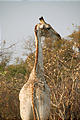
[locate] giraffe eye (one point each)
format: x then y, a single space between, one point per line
48 28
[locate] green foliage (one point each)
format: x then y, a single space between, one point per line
14 70
2 67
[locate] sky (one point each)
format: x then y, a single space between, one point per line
19 17
38 0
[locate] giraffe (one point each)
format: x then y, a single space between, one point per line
48 30
51 36
35 94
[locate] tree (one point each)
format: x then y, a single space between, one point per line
5 54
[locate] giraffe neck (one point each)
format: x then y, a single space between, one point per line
38 66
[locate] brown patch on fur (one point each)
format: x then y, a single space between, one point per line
33 102
36 56
35 30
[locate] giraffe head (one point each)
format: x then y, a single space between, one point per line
47 30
